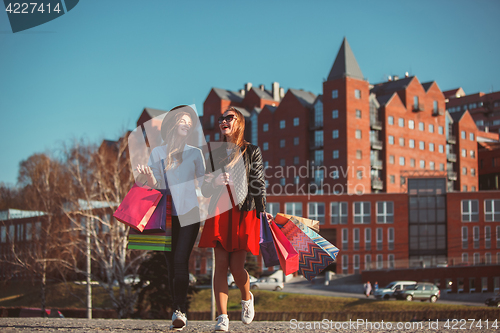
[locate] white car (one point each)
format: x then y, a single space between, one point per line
267 283
388 291
231 283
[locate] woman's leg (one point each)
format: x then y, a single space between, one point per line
220 278
237 266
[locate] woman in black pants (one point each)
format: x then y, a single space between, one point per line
184 168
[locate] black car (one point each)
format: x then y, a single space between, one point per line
423 291
493 301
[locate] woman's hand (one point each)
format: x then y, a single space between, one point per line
146 170
269 217
223 179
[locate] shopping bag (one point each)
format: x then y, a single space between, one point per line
288 256
161 220
266 243
328 247
312 258
313 224
137 207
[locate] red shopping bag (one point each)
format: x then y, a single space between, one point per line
137 207
288 256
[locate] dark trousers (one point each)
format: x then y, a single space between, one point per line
183 239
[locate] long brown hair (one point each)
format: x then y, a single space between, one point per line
239 134
175 142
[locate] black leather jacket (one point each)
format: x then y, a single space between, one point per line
255 198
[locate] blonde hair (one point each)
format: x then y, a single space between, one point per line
239 134
175 142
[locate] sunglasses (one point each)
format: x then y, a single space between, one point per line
228 118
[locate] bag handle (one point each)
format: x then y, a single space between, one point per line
224 171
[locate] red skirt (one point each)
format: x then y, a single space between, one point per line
235 230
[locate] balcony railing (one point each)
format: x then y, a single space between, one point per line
316 145
375 124
377 184
314 125
376 144
452 175
419 107
438 112
376 164
451 157
451 139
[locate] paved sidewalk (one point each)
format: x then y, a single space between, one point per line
10 325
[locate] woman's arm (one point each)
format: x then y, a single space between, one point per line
257 183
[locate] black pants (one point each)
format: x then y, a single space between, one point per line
183 239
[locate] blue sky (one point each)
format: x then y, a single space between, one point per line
89 73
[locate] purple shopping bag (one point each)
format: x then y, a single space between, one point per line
267 248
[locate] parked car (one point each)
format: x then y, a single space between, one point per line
388 291
267 283
231 283
37 312
493 301
421 291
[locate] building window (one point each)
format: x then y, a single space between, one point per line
390 238
207 138
265 127
265 146
441 149
402 142
463 134
411 124
464 171
335 114
296 160
318 138
471 136
335 174
29 232
412 162
401 160
475 236
390 261
472 154
293 208
473 189
212 121
338 211
335 93
296 121
470 210
356 263
380 261
440 130
335 134
465 238
345 239
421 145
391 139
358 114
282 181
357 93
296 141
487 237
473 172
368 239
390 120
492 210
362 214
435 106
282 143
415 102
358 134
464 189
421 126
359 154
273 208
282 123
3 234
392 179
12 233
431 128
345 264
385 212
498 240
432 165
38 230
335 154
355 239
487 260
316 211
401 122
422 164
431 146
464 153
411 143
282 162
391 159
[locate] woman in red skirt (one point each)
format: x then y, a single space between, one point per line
235 184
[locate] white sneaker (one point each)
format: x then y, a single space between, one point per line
247 311
179 320
222 323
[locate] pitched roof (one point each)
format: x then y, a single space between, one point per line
384 99
270 108
453 93
263 94
427 85
456 116
345 64
306 98
243 111
227 95
391 86
154 112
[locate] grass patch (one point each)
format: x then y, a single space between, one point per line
283 302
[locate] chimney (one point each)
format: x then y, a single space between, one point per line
262 87
248 86
242 92
486 129
406 74
282 92
276 91
396 77
389 78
